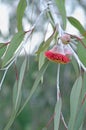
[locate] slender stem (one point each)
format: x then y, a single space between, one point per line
62 118
2 80
77 59
54 13
58 90
6 69
51 119
38 19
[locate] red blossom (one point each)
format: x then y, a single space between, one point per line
57 57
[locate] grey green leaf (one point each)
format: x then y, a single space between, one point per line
3 47
57 114
81 51
20 82
17 95
62 10
35 85
20 13
80 117
11 120
77 24
12 47
74 101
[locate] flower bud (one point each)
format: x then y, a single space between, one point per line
65 38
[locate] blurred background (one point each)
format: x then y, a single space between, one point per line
41 107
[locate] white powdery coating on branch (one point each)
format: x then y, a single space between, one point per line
51 5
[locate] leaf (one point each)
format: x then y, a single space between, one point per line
17 95
14 44
76 24
74 101
20 13
41 62
75 66
43 47
35 85
3 78
3 47
84 86
62 10
15 90
11 120
42 59
45 44
20 82
81 127
82 111
80 117
51 20
81 114
57 114
81 51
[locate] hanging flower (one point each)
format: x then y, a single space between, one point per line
56 54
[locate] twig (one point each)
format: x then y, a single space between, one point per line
83 100
62 118
51 119
58 90
16 72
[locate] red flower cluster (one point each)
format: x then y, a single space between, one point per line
57 57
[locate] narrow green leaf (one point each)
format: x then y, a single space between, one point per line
15 90
45 44
20 13
2 49
62 10
17 95
80 117
74 101
20 82
76 67
76 24
81 51
42 57
43 47
84 86
35 85
81 128
41 62
51 20
11 120
57 114
14 44
3 77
